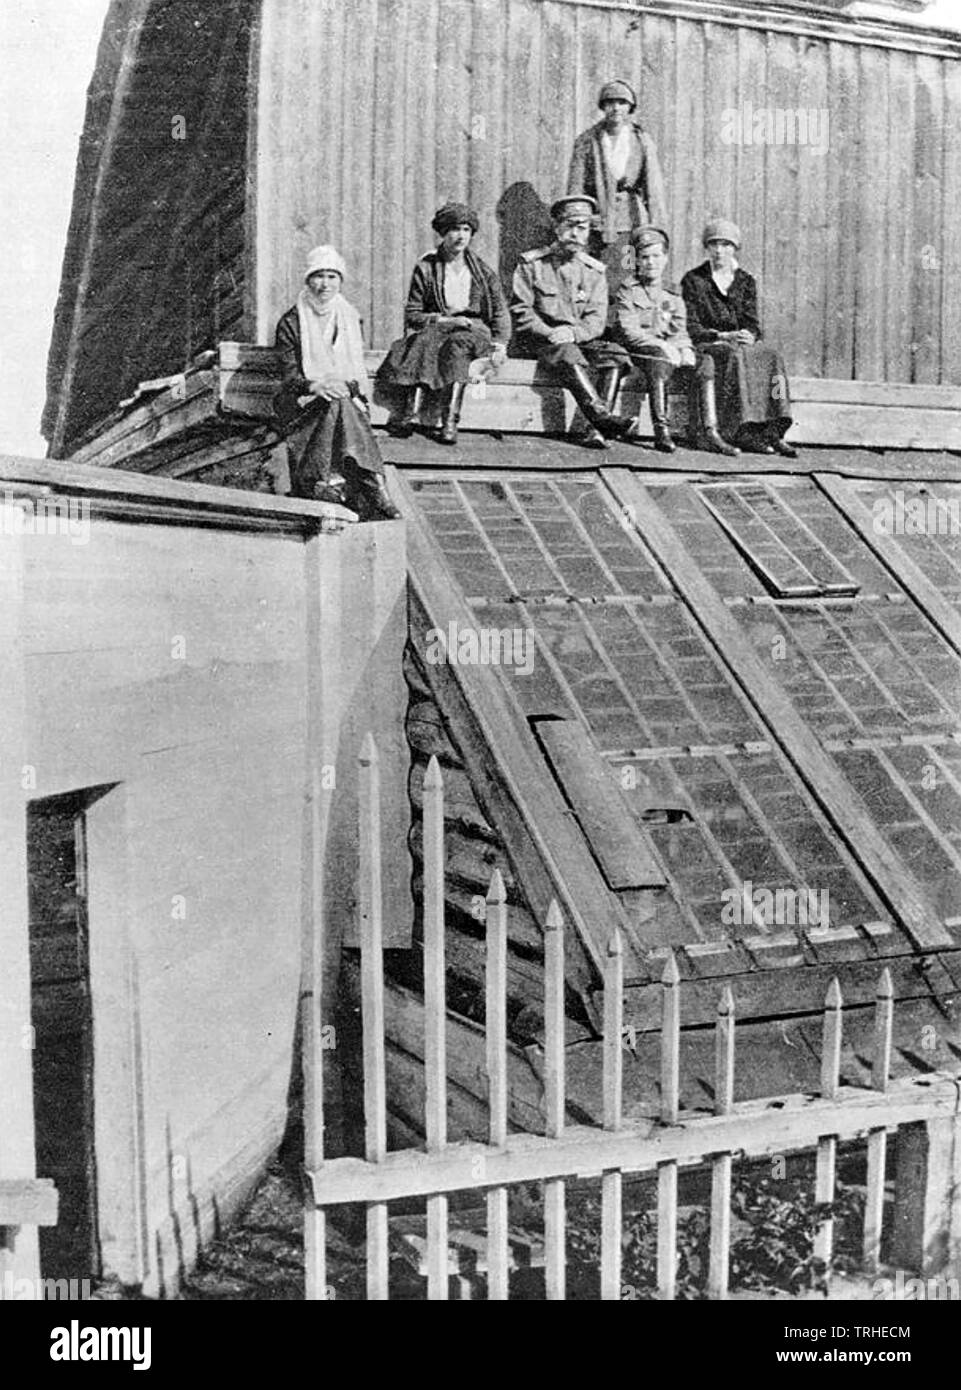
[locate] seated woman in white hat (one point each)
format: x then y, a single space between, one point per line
743 386
322 404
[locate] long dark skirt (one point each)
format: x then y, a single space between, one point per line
751 387
434 356
327 436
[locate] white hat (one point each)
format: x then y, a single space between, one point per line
325 258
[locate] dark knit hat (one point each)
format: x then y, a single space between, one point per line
454 215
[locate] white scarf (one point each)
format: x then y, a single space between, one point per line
330 340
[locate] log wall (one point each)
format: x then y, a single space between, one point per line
154 270
371 115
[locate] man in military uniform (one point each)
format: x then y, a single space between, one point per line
559 308
651 321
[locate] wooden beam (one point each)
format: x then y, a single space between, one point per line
620 846
927 1209
892 554
145 424
780 993
523 398
827 784
108 491
754 1129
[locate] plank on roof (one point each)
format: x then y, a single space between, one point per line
772 994
621 848
549 852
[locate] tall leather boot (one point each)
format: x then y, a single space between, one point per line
710 437
447 434
603 421
404 420
658 375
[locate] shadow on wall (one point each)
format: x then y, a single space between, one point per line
525 223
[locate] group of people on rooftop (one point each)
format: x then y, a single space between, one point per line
592 307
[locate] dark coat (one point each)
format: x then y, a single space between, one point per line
488 303
711 313
324 434
293 383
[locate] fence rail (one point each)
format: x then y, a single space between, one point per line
658 1144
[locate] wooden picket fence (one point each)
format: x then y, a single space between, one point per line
660 1145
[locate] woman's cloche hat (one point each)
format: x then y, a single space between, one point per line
325 258
617 91
720 229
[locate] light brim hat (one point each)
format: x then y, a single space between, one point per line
617 91
721 230
325 258
562 206
650 236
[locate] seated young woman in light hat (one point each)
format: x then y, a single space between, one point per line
322 404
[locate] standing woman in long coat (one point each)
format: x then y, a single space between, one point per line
615 163
456 311
743 387
322 407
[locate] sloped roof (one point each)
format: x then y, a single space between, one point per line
771 698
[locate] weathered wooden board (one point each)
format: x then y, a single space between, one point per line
620 846
518 794
801 990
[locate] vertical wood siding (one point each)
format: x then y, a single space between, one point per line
373 114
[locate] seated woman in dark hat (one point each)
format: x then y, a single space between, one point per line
742 383
322 404
456 311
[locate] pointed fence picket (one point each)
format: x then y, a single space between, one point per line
656 1146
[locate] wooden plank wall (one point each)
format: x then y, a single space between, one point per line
372 115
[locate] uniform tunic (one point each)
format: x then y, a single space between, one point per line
550 291
651 321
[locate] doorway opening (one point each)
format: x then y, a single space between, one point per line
63 1030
